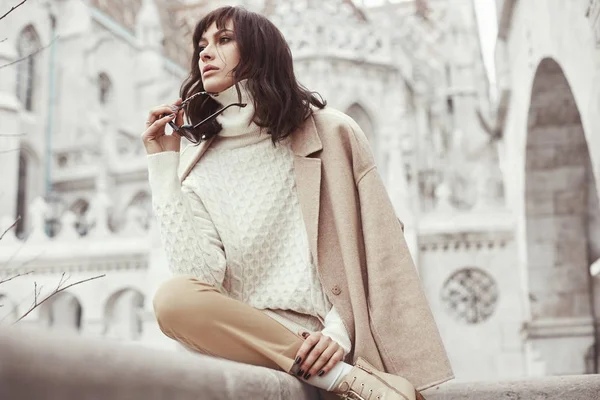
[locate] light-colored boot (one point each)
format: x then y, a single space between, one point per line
364 382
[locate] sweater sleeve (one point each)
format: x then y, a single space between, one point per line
188 235
335 329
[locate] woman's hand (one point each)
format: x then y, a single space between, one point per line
318 354
154 138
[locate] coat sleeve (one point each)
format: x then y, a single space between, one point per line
401 319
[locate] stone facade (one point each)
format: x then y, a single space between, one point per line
549 90
414 82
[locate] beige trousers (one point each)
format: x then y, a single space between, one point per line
197 315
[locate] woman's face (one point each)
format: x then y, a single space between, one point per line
219 55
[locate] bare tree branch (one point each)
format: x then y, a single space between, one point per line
10 227
11 134
13 9
9 150
3 40
16 276
55 292
29 55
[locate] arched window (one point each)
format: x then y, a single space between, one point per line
62 311
358 114
139 210
123 319
362 118
80 208
104 88
28 43
21 195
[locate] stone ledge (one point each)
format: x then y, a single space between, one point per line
51 366
575 387
41 365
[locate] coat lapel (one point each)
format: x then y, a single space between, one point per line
305 141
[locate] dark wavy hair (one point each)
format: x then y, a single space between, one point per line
281 104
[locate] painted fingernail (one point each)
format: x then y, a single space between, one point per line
304 334
298 360
300 372
307 376
321 372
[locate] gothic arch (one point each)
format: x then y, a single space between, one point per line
561 209
27 186
80 208
363 118
105 88
139 210
63 311
122 314
28 70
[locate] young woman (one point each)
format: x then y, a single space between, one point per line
283 241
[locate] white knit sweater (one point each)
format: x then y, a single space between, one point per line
236 223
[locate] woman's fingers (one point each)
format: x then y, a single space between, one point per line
159 112
320 343
323 359
156 129
337 356
304 350
154 137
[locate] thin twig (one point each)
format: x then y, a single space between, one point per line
9 150
3 40
10 227
16 276
56 291
13 9
29 55
11 134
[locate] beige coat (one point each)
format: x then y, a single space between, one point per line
359 248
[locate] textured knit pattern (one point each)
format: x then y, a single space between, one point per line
236 222
188 235
261 227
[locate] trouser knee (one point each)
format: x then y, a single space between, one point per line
183 304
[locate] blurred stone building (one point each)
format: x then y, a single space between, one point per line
548 123
409 72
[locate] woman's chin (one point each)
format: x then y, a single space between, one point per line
216 85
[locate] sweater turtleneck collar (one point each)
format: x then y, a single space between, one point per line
237 121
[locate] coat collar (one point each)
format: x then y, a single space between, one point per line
305 141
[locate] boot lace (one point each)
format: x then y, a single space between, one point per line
352 394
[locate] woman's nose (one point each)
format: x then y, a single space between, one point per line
206 54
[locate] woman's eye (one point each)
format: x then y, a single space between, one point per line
201 49
224 39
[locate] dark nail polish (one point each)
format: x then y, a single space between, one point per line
300 372
307 376
321 372
298 360
304 334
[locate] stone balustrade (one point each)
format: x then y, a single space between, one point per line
52 366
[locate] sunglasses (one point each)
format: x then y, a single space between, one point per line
187 130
